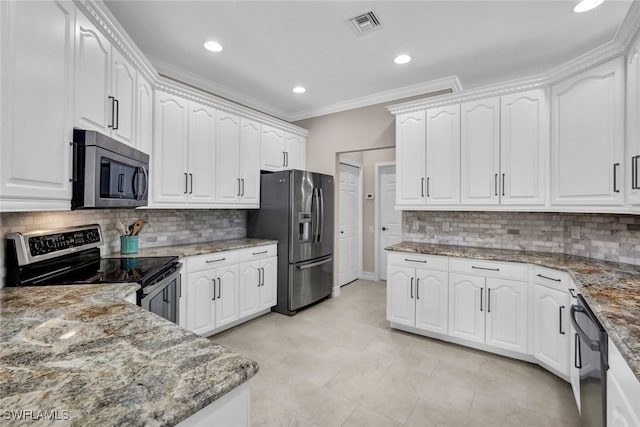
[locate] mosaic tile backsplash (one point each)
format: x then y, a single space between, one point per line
600 236
166 226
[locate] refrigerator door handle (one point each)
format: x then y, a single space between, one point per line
316 201
321 223
315 264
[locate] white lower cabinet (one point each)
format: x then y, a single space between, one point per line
488 310
223 288
623 392
551 327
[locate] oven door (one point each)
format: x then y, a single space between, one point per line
163 297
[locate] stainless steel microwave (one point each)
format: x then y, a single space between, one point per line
107 173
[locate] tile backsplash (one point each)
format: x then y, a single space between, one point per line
166 226
600 236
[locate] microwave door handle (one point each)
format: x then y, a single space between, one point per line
140 195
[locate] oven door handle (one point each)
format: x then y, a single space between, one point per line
593 345
171 275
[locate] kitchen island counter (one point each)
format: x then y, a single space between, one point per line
92 358
192 249
612 289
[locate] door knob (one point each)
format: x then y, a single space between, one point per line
384 228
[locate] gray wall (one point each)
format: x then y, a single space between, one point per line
600 236
166 227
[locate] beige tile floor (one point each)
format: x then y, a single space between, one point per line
339 364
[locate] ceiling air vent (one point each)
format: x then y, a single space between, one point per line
365 23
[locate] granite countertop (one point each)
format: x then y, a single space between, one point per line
192 249
85 350
611 289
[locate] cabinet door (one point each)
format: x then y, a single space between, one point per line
632 159
94 108
410 158
467 306
295 149
200 315
269 288
249 288
506 314
36 104
228 184
524 144
432 300
273 155
574 372
169 181
443 155
401 306
250 161
227 295
587 137
123 88
202 153
144 115
623 391
551 323
480 146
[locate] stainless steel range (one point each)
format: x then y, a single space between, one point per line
72 256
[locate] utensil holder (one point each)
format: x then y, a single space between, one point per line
128 244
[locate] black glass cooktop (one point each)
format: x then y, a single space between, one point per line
87 268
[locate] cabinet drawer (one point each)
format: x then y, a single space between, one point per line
503 270
553 278
431 262
257 252
213 260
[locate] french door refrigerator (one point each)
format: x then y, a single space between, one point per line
296 209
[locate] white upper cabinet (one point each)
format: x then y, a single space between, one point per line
524 147
443 155
201 154
144 115
169 162
480 146
587 137
250 161
228 183
632 159
36 87
282 150
123 87
410 158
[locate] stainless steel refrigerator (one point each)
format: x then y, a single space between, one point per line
296 209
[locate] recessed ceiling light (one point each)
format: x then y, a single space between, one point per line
299 89
587 5
213 46
402 59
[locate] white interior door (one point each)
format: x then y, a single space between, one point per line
349 220
390 219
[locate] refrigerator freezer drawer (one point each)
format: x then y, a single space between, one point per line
310 281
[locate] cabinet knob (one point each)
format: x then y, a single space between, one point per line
384 228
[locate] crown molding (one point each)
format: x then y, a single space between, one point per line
630 27
183 76
101 16
191 93
450 82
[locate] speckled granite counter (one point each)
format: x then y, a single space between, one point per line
192 249
611 289
85 350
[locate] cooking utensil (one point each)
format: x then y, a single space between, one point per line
121 228
138 225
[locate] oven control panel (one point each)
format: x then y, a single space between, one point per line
55 242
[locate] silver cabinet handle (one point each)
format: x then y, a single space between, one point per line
481 289
577 355
422 187
634 173
503 183
260 253
572 292
186 183
191 178
548 278
495 183
242 181
635 176
219 288
615 177
418 288
214 260
258 278
238 179
411 288
428 193
488 300
214 289
284 159
424 261
116 125
262 276
560 318
113 112
485 268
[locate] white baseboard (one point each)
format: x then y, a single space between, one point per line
369 275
